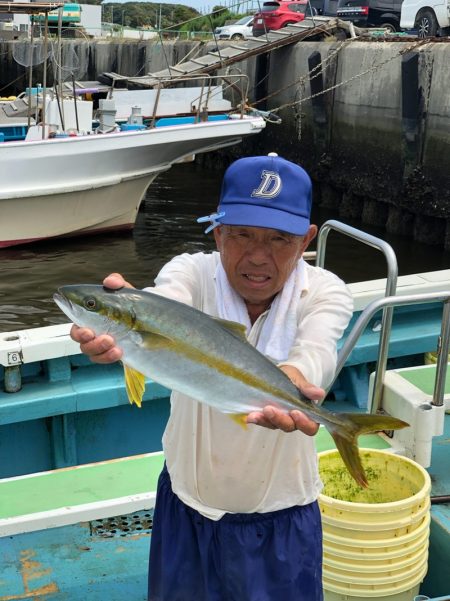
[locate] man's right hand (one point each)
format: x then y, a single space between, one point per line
100 349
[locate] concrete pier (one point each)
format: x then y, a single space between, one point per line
376 141
379 146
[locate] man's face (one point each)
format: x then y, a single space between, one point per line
258 261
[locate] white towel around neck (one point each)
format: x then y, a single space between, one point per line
279 329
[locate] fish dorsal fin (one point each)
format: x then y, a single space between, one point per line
135 385
233 326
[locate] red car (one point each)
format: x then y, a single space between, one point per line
275 15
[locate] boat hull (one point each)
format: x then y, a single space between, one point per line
71 186
91 211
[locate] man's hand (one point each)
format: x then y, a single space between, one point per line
100 349
276 419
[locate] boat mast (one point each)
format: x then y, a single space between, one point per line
44 79
30 73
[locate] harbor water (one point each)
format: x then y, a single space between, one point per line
166 226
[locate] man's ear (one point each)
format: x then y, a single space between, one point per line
217 231
309 237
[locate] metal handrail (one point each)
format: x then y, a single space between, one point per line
207 82
396 301
391 287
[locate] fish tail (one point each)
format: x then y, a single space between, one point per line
346 442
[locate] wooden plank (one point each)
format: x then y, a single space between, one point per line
227 52
186 67
255 42
203 60
206 60
239 46
174 70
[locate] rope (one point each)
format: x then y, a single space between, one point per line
13 81
306 77
374 68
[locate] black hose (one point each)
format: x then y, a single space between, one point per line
440 499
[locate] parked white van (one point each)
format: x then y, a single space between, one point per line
240 30
429 17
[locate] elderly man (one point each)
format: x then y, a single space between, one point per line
236 517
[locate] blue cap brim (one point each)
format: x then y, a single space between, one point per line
246 215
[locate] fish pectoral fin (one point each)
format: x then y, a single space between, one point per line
135 385
233 326
240 419
154 342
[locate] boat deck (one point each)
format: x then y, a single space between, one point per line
57 539
102 557
74 563
98 557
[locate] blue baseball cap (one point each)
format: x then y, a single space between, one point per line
265 191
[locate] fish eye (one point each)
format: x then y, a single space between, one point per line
90 303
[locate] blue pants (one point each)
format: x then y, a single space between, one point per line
273 556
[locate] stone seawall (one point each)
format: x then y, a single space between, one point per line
87 58
377 142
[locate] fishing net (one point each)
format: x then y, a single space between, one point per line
70 62
28 53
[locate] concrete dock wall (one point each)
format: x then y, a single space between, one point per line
87 58
377 142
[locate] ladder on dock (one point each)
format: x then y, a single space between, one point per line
312 28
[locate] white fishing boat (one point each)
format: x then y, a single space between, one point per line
91 181
72 175
94 183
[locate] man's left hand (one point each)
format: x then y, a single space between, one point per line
277 419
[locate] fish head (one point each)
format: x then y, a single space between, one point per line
103 310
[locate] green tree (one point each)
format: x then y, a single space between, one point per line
146 14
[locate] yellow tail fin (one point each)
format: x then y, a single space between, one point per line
346 442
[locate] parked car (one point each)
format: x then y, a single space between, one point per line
240 30
371 13
329 8
428 17
277 14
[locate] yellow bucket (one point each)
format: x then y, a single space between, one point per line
432 357
375 540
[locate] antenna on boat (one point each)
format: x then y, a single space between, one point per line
30 75
59 92
44 78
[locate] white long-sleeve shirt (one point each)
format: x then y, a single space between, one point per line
216 466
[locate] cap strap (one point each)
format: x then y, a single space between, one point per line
212 219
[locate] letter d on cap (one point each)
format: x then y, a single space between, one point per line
270 185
